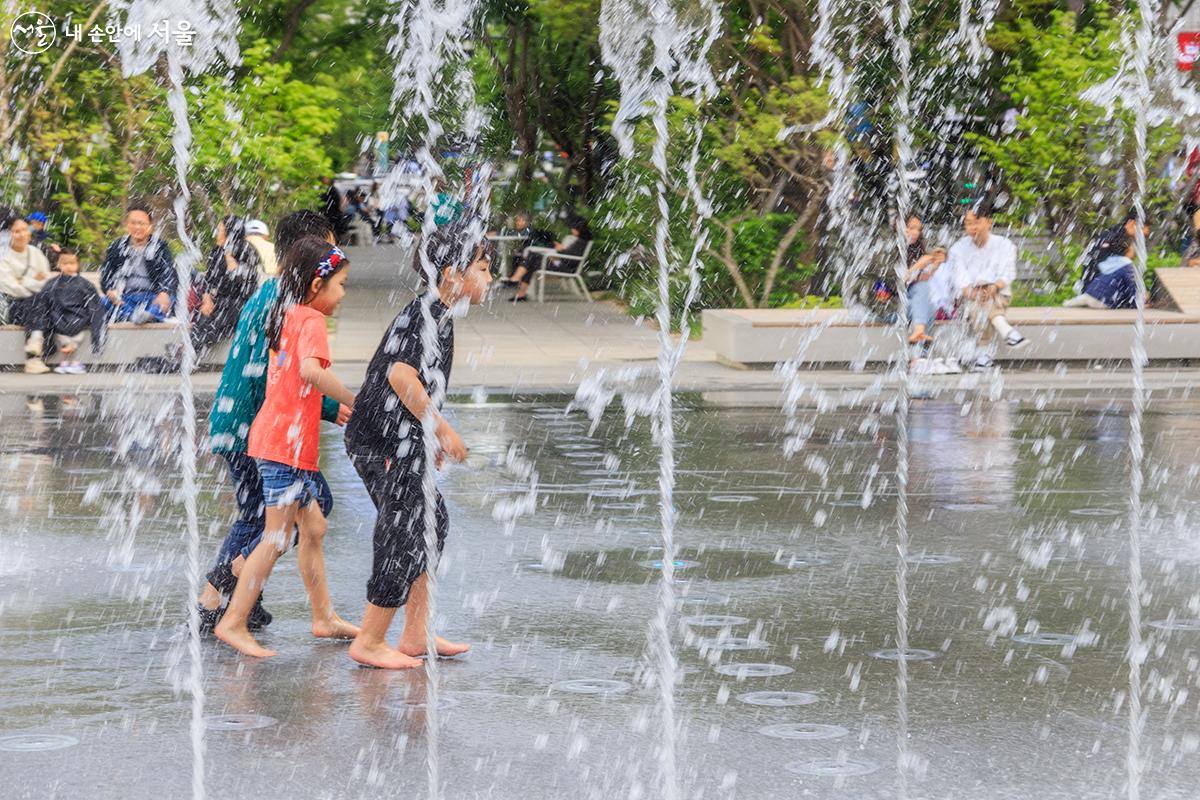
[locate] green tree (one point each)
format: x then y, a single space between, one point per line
1064 159
260 140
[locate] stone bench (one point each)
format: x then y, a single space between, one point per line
126 343
748 337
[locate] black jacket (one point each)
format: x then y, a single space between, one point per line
68 304
1112 242
159 264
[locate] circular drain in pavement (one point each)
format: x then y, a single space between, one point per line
778 699
1057 639
714 621
733 643
803 730
238 722
911 654
406 704
537 566
703 599
832 767
970 506
680 563
800 561
1102 511
1175 624
932 559
743 671
35 742
732 498
591 686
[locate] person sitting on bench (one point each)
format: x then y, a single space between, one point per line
572 245
1114 285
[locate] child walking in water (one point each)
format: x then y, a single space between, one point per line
239 397
285 437
385 442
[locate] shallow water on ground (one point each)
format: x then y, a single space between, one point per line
787 611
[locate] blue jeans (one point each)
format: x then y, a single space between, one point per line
132 302
920 304
247 530
283 484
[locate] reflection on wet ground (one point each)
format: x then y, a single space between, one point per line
786 611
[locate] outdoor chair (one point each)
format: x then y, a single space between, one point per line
574 279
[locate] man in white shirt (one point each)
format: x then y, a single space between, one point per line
983 267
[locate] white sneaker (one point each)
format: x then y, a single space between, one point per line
63 369
76 368
142 317
946 366
35 366
1015 339
982 363
34 345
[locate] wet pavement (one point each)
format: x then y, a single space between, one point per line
1017 582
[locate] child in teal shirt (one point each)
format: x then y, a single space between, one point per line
239 397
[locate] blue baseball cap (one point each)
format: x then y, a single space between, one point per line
37 216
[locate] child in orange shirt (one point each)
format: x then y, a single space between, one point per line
285 438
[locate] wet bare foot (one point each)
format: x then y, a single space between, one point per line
445 649
381 655
918 338
239 639
334 628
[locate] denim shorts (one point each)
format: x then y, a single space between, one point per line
284 484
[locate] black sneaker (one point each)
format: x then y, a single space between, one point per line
209 617
259 617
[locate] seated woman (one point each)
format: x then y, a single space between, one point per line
921 267
1114 286
572 245
24 270
230 279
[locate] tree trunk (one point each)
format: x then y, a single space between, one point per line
780 253
291 27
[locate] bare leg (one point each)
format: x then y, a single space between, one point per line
210 598
919 335
232 628
370 647
517 275
415 639
311 559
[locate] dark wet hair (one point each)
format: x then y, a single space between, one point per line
447 247
580 224
7 217
68 251
297 270
1132 214
983 208
139 206
297 225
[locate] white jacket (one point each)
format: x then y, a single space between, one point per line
18 271
995 261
